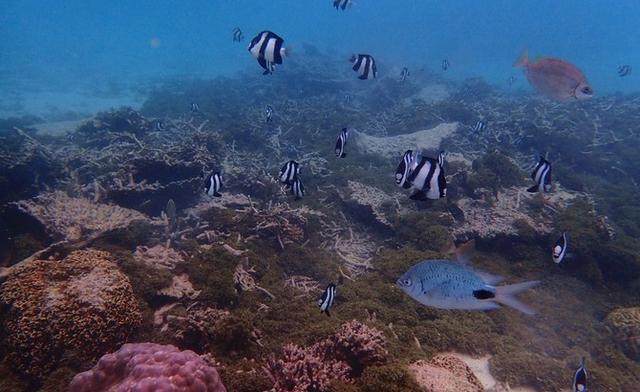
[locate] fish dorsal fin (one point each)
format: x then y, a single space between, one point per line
464 252
490 278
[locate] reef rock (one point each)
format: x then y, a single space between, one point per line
445 373
369 201
81 304
624 324
149 367
395 146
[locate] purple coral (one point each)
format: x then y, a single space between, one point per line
149 367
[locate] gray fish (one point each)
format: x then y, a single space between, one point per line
447 284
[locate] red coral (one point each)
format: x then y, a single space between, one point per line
149 367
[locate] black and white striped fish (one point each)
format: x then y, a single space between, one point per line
427 177
404 74
365 66
445 64
404 169
297 189
347 99
289 172
237 35
624 70
560 249
479 127
580 378
268 113
542 176
195 107
213 184
342 4
267 48
341 143
159 125
326 301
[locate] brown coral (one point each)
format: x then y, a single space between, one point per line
445 373
359 345
82 304
624 324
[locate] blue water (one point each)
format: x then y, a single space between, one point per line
106 45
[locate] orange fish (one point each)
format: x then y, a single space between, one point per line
556 78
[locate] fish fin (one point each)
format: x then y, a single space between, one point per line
419 195
490 278
533 189
267 72
344 154
465 251
362 77
449 248
217 194
286 52
505 295
327 312
406 185
297 198
523 60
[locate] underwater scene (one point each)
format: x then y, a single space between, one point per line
319 196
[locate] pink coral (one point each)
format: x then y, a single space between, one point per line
359 345
304 369
149 367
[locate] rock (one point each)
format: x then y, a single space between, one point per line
445 373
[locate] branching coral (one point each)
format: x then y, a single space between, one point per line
61 305
158 256
624 324
359 345
148 367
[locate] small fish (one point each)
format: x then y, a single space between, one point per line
445 64
289 172
237 35
267 48
448 284
213 184
269 113
479 127
297 189
347 99
560 249
365 66
556 78
541 174
341 143
159 125
624 70
580 378
326 301
404 169
342 4
195 108
511 80
404 74
427 177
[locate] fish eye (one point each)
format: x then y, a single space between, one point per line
587 90
405 282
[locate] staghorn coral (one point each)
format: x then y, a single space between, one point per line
148 367
55 306
73 218
624 324
445 373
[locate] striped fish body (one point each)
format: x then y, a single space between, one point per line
159 125
404 74
365 66
269 113
404 169
267 48
341 4
237 35
328 297
195 108
428 179
580 378
479 127
560 249
445 64
213 185
297 189
624 70
542 176
447 285
289 172
341 142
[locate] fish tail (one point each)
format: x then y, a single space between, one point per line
505 295
533 189
286 52
523 60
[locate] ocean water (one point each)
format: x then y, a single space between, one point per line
117 118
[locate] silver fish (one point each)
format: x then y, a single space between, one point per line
447 284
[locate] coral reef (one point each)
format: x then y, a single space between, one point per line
59 306
445 373
359 345
624 324
149 367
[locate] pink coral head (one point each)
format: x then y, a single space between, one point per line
149 367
